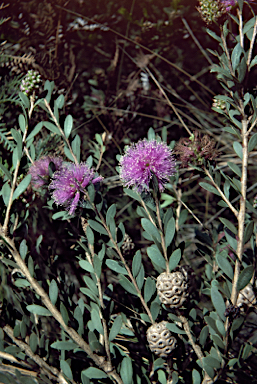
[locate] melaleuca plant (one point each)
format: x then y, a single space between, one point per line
96 309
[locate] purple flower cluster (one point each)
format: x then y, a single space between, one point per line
68 184
142 160
228 4
40 171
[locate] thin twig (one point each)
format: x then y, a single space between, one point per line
196 347
99 287
226 51
168 101
239 14
161 233
233 209
241 214
252 43
203 51
15 176
61 131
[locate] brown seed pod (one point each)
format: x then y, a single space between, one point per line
160 339
173 288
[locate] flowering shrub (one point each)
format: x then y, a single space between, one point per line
95 306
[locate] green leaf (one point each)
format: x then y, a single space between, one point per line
97 227
33 342
238 149
254 61
252 142
35 131
22 283
196 377
95 316
51 127
174 259
232 113
90 235
245 277
38 310
5 171
91 285
151 134
156 256
224 265
25 100
140 277
173 328
127 285
218 302
53 292
126 370
149 288
115 329
134 195
170 232
110 214
217 340
213 35
155 309
22 187
229 225
84 264
210 188
23 249
151 229
75 145
136 263
64 345
97 266
235 168
116 266
68 153
94 373
211 362
231 240
203 335
248 231
64 313
68 124
59 102
22 123
66 369
241 4
236 54
5 192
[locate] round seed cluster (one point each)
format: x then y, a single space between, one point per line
173 288
219 104
160 339
30 82
211 10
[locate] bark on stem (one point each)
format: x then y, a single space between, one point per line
241 214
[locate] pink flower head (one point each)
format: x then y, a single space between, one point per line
68 184
142 160
40 170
